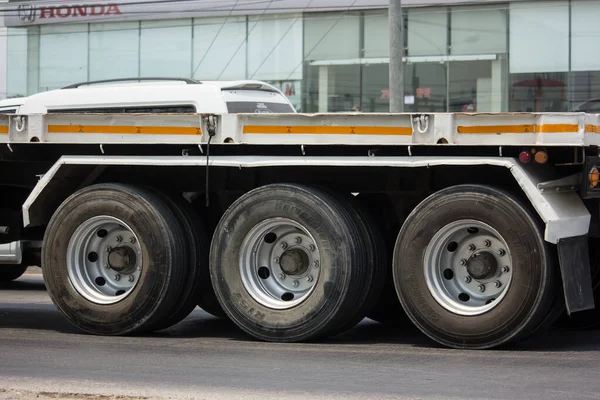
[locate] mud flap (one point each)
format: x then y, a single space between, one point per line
574 261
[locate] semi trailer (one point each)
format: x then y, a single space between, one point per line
142 199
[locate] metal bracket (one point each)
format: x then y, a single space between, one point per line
20 123
211 124
576 161
567 184
422 122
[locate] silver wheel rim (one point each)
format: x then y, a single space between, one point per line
468 267
279 263
104 260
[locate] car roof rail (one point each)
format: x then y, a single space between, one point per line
186 80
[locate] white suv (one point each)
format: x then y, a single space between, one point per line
155 95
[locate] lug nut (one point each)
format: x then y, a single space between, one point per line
106 265
481 288
463 262
132 240
139 268
316 263
298 240
468 279
108 249
487 243
284 245
117 277
282 276
502 252
472 247
296 283
312 247
498 284
309 278
505 269
276 260
131 278
119 239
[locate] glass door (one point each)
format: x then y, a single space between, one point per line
426 87
477 85
456 86
332 88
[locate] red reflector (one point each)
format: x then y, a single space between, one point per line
525 157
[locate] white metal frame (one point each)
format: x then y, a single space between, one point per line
441 129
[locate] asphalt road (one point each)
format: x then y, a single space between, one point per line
42 356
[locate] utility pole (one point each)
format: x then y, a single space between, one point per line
396 50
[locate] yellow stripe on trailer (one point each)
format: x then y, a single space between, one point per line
592 129
518 129
3 129
495 129
126 129
326 130
562 128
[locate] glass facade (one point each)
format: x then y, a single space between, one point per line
517 56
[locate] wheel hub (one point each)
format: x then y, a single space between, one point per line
279 263
122 259
294 262
468 267
482 266
104 259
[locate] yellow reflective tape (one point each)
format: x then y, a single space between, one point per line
4 129
592 129
529 128
327 130
496 129
126 130
563 128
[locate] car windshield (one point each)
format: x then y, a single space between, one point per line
259 107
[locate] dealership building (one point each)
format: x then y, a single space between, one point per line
325 55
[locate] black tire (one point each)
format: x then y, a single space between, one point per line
206 298
527 302
208 302
9 273
204 295
555 301
196 260
342 271
377 256
388 310
161 277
